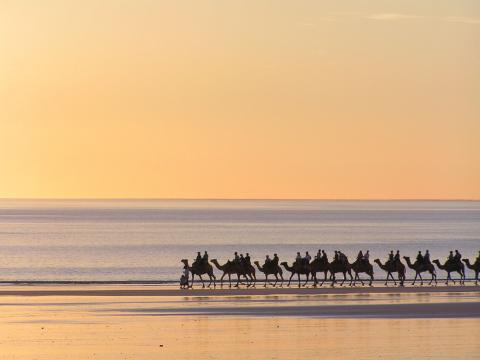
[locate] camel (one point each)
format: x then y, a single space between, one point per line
340 267
230 268
451 266
319 265
362 266
200 269
475 267
419 268
390 268
298 269
270 269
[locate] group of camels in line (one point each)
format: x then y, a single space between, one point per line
321 265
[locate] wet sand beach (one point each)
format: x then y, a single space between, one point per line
151 322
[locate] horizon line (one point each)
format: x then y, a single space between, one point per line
228 199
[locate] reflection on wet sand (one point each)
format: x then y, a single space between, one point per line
106 327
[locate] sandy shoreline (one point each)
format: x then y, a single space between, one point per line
60 290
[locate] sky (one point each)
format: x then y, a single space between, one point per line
358 99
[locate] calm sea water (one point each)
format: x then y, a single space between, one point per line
146 239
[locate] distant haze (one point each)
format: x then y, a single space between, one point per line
233 99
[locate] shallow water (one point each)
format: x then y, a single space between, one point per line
145 239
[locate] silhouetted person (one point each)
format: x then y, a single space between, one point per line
324 256
397 257
236 258
319 254
205 258
307 258
426 257
298 258
198 258
184 278
247 259
420 257
457 256
267 259
275 259
335 257
450 257
360 255
390 257
366 256
242 260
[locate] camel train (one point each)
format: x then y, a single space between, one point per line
243 272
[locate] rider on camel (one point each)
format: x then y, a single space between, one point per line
420 257
457 256
426 257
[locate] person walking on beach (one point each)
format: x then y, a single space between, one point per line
184 278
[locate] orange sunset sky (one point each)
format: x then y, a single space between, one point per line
240 99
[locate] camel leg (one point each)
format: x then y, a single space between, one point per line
434 277
276 280
201 279
289 280
421 279
193 276
298 277
266 280
415 279
371 279
238 281
344 278
308 279
332 277
324 277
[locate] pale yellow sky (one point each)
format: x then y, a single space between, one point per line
240 99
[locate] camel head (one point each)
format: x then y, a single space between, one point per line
377 261
184 261
284 263
256 262
466 261
436 261
407 258
213 261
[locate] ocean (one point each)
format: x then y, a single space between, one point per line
144 240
